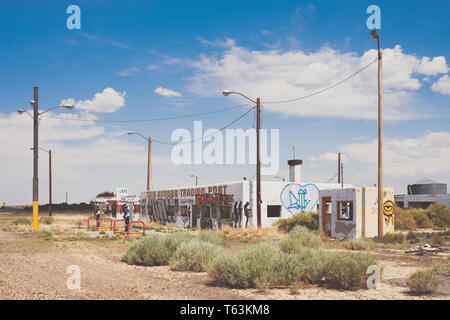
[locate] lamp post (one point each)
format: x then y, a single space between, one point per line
380 136
149 139
49 180
35 116
196 179
258 162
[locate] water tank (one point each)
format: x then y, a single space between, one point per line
427 187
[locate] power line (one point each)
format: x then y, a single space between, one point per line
150 120
323 90
202 138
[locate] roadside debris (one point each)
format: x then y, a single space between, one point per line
426 248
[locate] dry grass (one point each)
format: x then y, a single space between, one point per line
249 234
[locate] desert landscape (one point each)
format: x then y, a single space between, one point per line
33 265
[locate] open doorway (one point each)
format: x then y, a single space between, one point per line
326 214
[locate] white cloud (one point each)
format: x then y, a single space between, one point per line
277 75
432 67
218 42
166 92
128 72
442 85
109 100
328 156
410 157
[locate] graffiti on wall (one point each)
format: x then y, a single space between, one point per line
388 211
297 198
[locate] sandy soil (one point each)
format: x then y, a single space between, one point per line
33 268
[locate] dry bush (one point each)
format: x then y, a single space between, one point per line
194 255
424 281
309 220
249 234
359 244
299 238
347 270
404 219
210 236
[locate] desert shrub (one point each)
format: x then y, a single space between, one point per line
298 238
20 220
208 236
46 220
404 219
46 234
393 238
359 244
194 255
439 215
306 265
306 219
251 267
150 250
173 240
424 281
413 237
347 270
442 268
422 219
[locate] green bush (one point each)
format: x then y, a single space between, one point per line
173 240
154 250
404 219
442 268
359 244
306 265
209 236
422 219
194 256
393 238
424 281
347 270
46 220
306 219
250 268
439 215
298 238
150 250
20 220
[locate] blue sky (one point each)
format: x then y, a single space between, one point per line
273 49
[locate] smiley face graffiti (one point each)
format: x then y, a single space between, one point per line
388 211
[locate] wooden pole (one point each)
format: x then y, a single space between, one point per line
148 164
50 182
339 168
258 164
380 143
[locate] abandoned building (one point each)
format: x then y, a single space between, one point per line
423 193
344 210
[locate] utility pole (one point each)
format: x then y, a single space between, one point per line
50 182
339 167
258 164
35 160
148 164
380 137
342 175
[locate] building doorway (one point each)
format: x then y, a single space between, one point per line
326 214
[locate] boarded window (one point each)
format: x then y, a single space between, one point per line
273 211
344 210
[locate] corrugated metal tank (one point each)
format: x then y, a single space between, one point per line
427 188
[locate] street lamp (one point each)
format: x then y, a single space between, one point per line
35 116
375 35
258 162
196 179
149 139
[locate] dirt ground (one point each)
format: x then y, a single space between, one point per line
32 267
